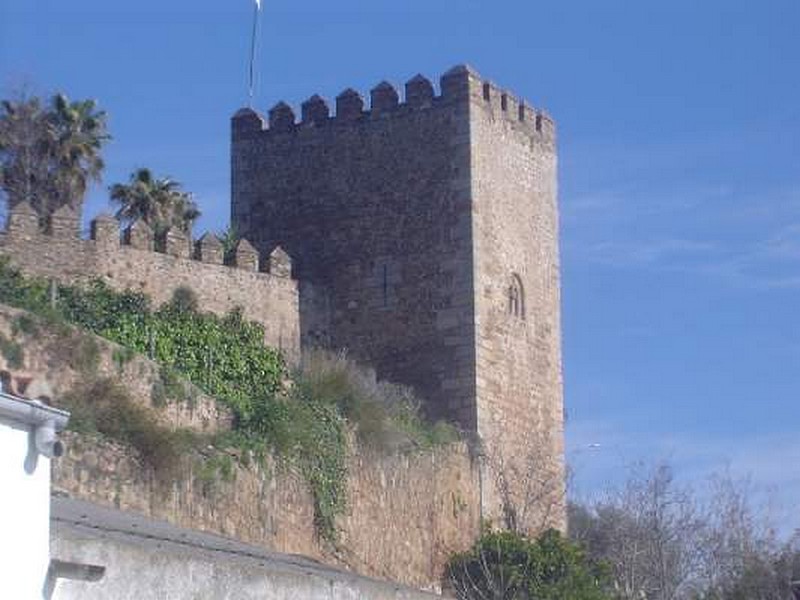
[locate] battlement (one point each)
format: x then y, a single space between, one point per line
136 258
458 85
23 225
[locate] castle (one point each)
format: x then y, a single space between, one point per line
421 235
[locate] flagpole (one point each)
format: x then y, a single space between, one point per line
251 90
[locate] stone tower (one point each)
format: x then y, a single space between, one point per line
425 237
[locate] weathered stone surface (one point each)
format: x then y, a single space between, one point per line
58 363
65 222
269 299
174 242
246 257
280 264
209 249
424 236
23 221
427 241
349 105
315 110
281 117
139 235
105 230
518 330
407 513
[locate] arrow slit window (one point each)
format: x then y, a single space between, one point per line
516 297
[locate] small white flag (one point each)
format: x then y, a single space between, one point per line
258 4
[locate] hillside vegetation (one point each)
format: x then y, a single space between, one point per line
303 415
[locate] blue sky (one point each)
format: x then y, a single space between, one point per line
680 179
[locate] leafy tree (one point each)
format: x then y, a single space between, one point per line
504 565
667 542
159 202
49 154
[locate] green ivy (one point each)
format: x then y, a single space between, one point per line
310 434
223 356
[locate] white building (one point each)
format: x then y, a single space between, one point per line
28 440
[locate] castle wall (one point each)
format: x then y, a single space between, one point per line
406 513
268 298
374 208
519 380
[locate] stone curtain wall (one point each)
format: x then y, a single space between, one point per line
406 513
269 298
518 330
374 207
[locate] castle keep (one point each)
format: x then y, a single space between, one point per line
424 238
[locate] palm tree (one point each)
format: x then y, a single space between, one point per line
229 239
24 151
48 155
79 132
159 202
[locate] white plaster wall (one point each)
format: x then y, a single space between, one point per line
147 568
24 517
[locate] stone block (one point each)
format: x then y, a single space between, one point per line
138 235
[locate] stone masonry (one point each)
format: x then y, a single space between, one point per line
421 234
425 237
132 262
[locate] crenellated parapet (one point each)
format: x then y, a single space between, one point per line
23 221
517 110
65 222
208 249
280 264
138 235
174 242
246 256
23 224
104 230
459 84
138 259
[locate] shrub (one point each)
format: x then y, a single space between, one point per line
384 414
184 299
104 407
503 565
26 325
12 352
